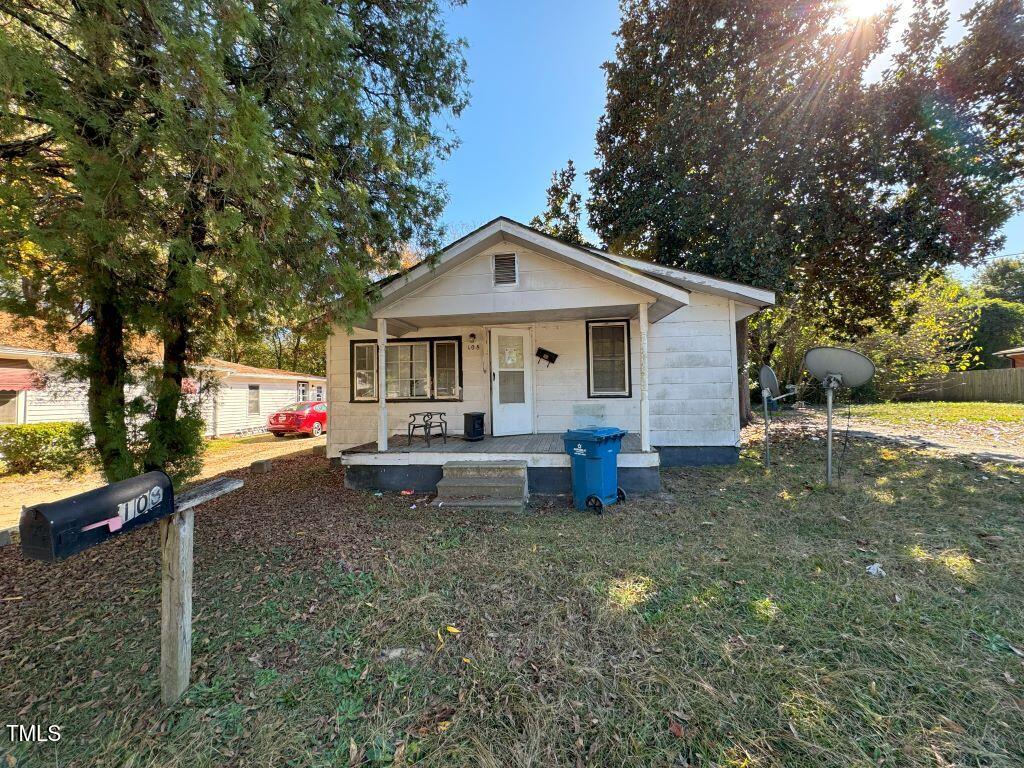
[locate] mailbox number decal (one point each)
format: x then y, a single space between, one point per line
129 510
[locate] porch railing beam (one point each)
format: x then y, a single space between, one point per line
645 403
382 385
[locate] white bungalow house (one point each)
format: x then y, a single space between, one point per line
639 346
33 390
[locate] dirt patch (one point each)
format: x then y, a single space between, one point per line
223 455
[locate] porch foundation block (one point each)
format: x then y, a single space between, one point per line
423 478
697 455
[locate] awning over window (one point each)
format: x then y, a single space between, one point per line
19 379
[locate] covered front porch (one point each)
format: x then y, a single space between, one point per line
418 467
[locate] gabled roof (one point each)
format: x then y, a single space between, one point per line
640 274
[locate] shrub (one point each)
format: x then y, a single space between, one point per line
32 447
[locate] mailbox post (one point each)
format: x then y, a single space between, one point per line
54 531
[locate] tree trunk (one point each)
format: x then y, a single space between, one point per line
743 365
107 373
169 440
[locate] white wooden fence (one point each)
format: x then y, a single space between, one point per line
1001 385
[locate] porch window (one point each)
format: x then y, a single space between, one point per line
608 359
364 371
408 370
417 369
446 369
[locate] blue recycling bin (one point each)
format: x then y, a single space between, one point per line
593 454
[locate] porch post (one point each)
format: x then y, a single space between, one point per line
382 388
645 403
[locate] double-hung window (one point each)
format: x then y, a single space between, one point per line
417 369
608 359
408 370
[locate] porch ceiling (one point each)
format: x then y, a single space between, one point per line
405 325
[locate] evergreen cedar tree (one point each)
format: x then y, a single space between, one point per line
169 167
743 140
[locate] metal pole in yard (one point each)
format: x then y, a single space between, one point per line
828 450
765 394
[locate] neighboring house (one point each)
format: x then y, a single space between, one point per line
639 346
1015 356
32 389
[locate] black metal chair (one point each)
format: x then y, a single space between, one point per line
429 423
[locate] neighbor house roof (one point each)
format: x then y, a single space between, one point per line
636 271
29 337
1012 352
215 364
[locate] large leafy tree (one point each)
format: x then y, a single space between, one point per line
1003 279
168 167
561 218
743 138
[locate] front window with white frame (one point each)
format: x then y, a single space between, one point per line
608 372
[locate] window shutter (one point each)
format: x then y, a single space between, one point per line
505 269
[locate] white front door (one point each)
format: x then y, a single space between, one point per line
511 382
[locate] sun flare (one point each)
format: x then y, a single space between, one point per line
863 9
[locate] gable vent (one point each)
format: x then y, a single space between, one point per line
505 269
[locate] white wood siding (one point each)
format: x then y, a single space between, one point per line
233 403
544 284
61 400
351 424
693 375
692 362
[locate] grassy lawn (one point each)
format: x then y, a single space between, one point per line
730 622
940 412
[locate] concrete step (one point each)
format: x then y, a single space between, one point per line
505 469
500 505
492 487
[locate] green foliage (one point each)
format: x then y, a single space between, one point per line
172 170
1003 279
745 140
1000 326
561 219
932 330
58 445
932 333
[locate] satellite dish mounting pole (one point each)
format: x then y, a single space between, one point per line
765 395
828 451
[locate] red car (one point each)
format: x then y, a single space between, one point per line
307 418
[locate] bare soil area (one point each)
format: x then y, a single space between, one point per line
222 455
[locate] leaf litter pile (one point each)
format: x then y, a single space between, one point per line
729 621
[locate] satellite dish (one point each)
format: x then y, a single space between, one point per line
768 380
770 394
838 367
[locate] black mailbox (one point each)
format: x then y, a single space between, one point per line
63 528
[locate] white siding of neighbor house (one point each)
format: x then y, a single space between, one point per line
61 400
233 400
66 400
544 283
692 379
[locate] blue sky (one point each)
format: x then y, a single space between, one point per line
537 92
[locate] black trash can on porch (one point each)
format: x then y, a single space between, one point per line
473 426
